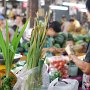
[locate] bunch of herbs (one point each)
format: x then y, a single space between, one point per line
8 50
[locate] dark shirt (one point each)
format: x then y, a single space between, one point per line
87 58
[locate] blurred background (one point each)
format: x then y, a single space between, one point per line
57 8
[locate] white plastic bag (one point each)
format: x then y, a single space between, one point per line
64 84
22 77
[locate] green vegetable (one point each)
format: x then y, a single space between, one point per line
37 42
64 35
69 37
78 37
57 45
87 38
34 59
61 39
7 83
9 49
55 75
79 42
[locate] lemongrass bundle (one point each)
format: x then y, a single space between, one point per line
37 42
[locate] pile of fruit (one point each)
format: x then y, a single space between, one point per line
61 66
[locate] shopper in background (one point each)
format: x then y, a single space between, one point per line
85 64
3 29
64 23
2 26
11 13
11 21
76 22
63 19
18 10
1 21
19 22
24 37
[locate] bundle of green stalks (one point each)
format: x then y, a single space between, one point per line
8 50
34 58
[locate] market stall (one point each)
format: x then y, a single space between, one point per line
48 65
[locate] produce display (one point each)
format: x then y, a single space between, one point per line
84 38
10 81
60 40
57 67
60 65
29 72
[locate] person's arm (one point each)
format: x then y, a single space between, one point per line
84 66
54 50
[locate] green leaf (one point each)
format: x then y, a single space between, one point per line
7 62
15 38
2 45
11 48
8 49
20 35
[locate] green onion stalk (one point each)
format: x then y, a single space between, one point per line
8 50
34 59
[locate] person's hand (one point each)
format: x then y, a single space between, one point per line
60 50
45 50
70 43
73 57
52 49
66 58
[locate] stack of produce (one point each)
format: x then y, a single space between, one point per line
81 40
57 67
60 40
60 65
34 57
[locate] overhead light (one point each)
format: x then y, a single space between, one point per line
54 7
74 5
23 0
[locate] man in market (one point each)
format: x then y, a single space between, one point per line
56 40
85 64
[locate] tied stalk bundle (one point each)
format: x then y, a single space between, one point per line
34 57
